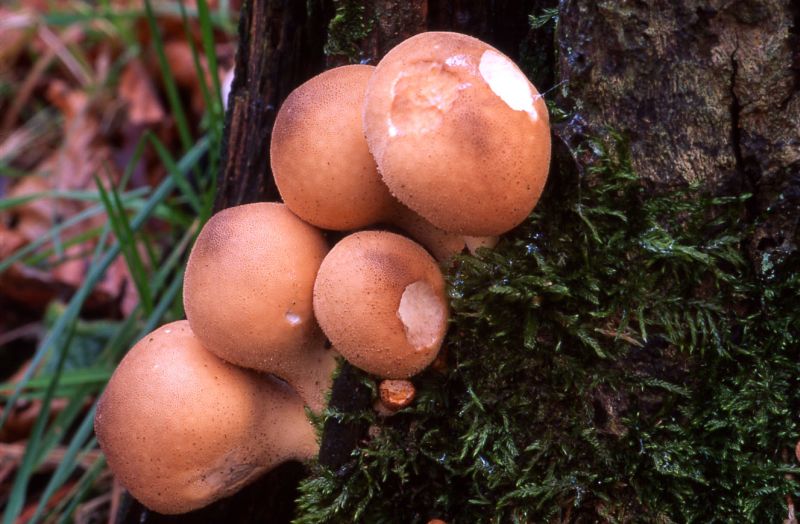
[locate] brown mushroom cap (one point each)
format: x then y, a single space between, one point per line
248 295
320 160
323 167
181 428
380 299
459 133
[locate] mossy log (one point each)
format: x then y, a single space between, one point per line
705 94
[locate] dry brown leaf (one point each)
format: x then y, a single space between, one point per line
35 218
137 89
34 77
23 416
10 241
17 29
93 510
60 494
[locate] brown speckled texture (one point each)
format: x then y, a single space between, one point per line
248 294
464 160
181 428
357 296
319 156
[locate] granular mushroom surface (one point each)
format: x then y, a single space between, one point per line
248 294
458 132
181 428
380 299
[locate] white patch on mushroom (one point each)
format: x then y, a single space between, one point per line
422 313
507 82
393 132
420 96
457 61
293 318
473 243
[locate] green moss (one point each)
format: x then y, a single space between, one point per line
616 358
347 28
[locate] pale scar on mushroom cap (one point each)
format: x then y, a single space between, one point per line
459 134
425 90
391 292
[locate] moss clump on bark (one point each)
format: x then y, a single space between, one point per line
617 357
348 27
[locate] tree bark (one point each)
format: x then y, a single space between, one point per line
280 46
706 92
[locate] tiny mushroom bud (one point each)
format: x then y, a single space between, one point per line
458 132
396 394
248 295
181 428
323 167
475 243
380 299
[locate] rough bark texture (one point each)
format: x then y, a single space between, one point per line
280 46
706 92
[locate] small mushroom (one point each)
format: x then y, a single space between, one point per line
380 299
248 295
396 394
181 428
476 243
458 132
323 167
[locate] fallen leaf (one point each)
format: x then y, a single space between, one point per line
23 416
136 88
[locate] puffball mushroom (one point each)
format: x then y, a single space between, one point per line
458 132
380 299
248 295
319 156
181 428
323 168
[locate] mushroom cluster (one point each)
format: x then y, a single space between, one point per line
446 141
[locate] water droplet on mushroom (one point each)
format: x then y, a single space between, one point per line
293 318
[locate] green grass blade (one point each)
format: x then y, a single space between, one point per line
78 239
97 270
30 248
78 377
127 243
84 484
207 34
78 196
169 80
69 462
177 174
16 499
